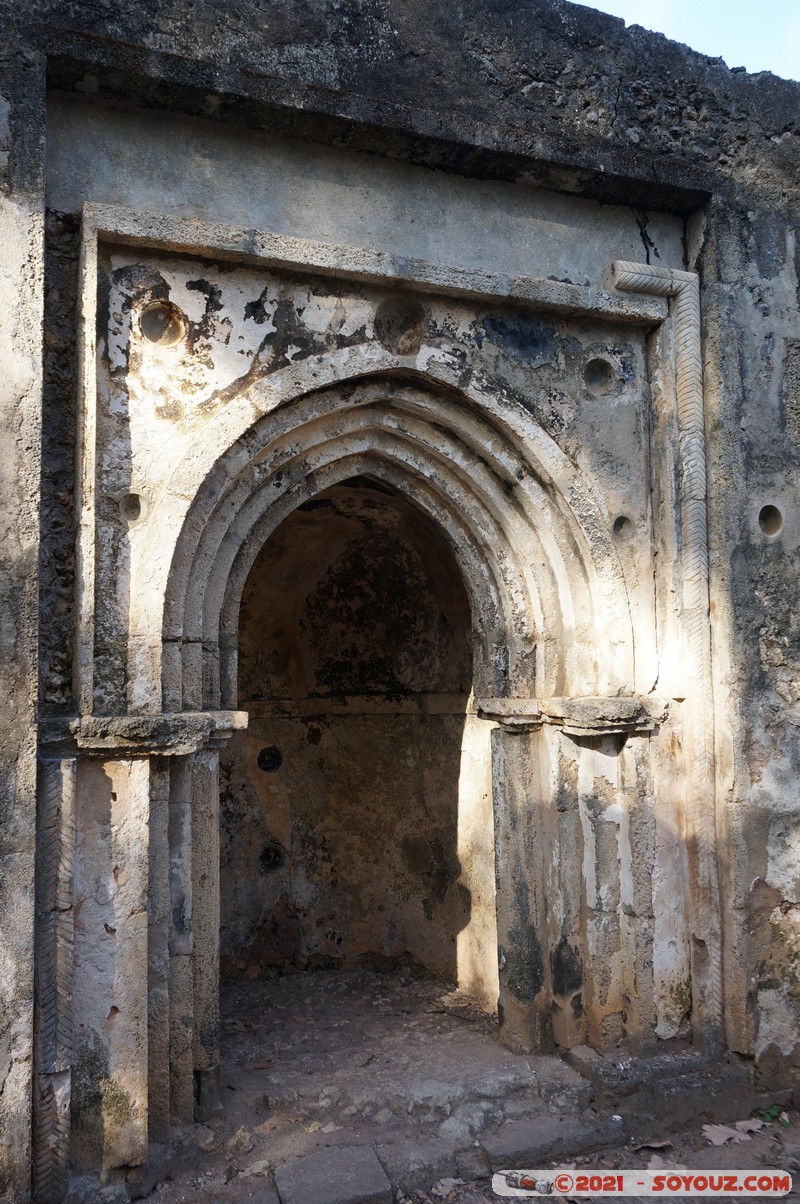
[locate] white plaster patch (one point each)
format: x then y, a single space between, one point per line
358 314
777 1020
428 356
116 348
625 860
585 781
476 943
17 233
191 301
783 866
318 313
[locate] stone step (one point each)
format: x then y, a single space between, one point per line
681 1086
416 1160
349 1175
503 1084
408 1162
530 1144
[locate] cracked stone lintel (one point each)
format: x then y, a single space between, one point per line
631 714
168 735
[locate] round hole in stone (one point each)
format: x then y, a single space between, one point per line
623 527
130 507
270 759
162 323
272 857
599 375
770 520
400 324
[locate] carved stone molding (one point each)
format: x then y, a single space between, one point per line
102 225
683 289
513 714
55 849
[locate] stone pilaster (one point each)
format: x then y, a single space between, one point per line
524 976
181 945
553 923
54 960
205 929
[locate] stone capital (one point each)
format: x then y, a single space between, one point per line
168 735
593 716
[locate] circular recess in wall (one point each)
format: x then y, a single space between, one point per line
270 759
770 520
272 857
400 324
131 507
623 527
162 323
599 376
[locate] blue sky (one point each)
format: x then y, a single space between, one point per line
761 36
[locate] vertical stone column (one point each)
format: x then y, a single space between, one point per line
110 992
602 949
639 875
566 893
521 838
205 929
158 916
125 1015
22 127
54 950
573 905
672 972
181 974
700 813
601 816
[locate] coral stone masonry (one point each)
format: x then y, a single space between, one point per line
401 515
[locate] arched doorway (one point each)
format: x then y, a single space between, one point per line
553 623
544 596
356 818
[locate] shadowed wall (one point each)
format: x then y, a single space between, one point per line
342 804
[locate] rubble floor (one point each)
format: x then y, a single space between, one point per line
411 1069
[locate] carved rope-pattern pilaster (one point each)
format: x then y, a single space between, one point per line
700 814
54 965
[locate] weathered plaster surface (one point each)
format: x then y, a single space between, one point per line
751 257
419 135
264 335
146 161
20 401
109 1114
340 630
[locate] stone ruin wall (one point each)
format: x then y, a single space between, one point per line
550 128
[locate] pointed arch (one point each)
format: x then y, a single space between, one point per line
549 602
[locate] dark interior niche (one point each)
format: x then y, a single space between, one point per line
355 663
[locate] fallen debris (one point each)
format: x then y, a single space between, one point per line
750 1126
722 1134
